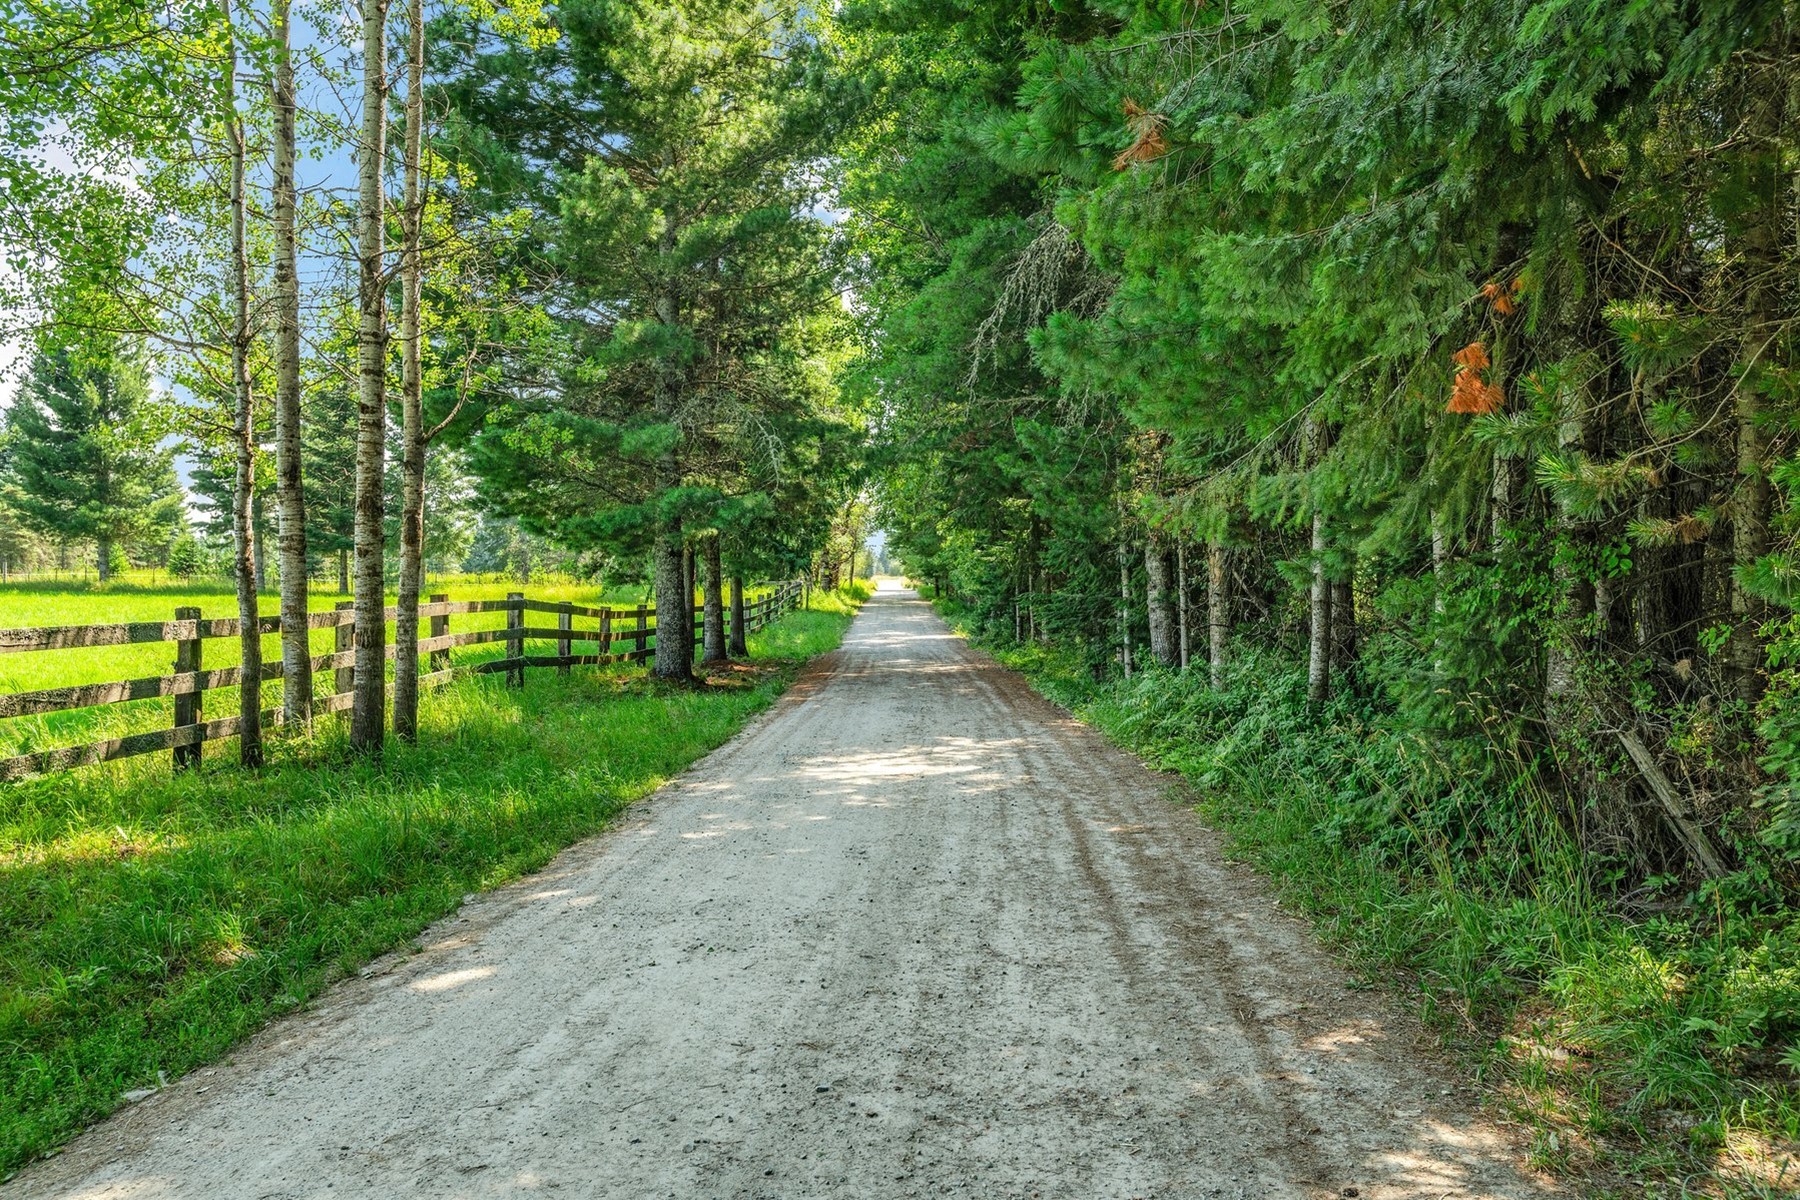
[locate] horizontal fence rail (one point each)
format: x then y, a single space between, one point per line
616 635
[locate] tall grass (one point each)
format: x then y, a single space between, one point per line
149 920
1643 1038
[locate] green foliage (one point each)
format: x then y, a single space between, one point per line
687 254
1453 335
82 465
186 557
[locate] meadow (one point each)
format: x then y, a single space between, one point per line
149 919
145 596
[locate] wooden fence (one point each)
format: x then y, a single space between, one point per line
616 634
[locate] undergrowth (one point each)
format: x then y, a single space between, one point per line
148 921
1647 1041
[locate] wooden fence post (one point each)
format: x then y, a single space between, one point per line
606 633
565 620
515 642
187 706
643 631
440 627
344 642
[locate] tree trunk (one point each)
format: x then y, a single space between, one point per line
1763 320
258 556
1440 558
1218 610
738 648
674 646
1318 661
674 658
1573 610
1343 624
1125 608
367 716
1318 657
1181 601
412 399
103 558
343 571
1501 501
290 495
690 578
715 603
1158 601
250 747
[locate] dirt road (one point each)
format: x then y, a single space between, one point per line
914 933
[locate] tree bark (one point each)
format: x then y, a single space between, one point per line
1440 558
258 551
674 654
1181 601
250 747
1318 658
367 716
674 657
715 603
412 397
1501 501
343 572
1318 661
290 494
103 558
1218 610
1158 601
1125 608
690 582
1752 498
1571 638
738 648
1343 624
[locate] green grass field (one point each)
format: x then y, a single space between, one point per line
44 603
149 920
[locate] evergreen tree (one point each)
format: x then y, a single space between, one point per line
83 464
671 152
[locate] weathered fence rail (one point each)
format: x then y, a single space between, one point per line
634 629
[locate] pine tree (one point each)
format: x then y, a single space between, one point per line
685 239
83 464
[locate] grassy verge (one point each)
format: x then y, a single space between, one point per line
149 921
1648 1042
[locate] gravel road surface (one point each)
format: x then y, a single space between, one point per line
915 932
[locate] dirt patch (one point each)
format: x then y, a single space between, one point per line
915 932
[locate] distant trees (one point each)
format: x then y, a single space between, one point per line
83 461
